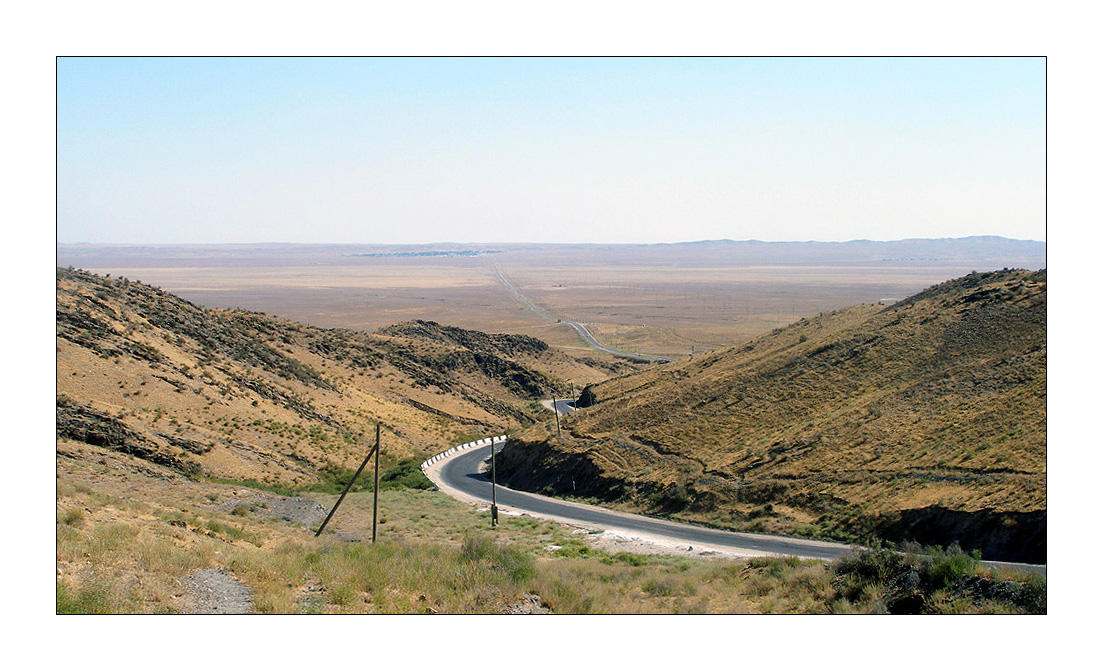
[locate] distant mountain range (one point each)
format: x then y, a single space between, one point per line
987 252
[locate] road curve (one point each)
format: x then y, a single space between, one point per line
564 406
458 473
578 327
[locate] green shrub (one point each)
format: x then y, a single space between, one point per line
89 600
405 475
776 567
660 586
480 549
949 568
574 548
74 517
632 559
930 580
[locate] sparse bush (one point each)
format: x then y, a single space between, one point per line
406 474
776 567
931 581
93 599
73 517
662 587
950 567
515 563
633 559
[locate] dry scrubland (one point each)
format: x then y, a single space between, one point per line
660 299
668 311
245 396
130 534
925 419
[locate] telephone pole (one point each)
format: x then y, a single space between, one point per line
375 450
494 502
557 412
375 489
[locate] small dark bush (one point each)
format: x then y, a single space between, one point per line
405 475
908 581
586 398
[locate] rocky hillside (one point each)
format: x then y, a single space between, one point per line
921 420
247 396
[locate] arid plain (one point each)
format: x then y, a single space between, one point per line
658 299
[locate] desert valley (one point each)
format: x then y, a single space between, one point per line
213 402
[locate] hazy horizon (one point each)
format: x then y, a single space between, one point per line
533 242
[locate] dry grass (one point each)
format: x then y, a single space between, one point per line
143 530
272 401
832 426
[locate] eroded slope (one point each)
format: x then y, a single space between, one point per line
924 420
243 395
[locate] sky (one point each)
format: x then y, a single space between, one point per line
166 151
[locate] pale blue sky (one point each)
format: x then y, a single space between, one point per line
548 150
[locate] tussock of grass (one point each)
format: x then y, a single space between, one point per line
74 517
94 598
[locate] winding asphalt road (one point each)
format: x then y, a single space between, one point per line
462 474
564 406
578 327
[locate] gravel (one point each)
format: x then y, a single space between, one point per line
290 509
215 591
297 510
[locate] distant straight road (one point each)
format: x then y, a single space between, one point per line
580 328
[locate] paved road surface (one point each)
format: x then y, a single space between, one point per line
580 328
564 406
462 474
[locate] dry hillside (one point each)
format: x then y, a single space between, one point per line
246 396
924 420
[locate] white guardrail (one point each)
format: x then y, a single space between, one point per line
456 449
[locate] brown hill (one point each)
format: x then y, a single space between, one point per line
922 420
247 396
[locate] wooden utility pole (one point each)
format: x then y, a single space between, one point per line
557 412
494 480
363 464
375 489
